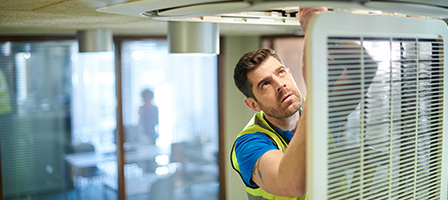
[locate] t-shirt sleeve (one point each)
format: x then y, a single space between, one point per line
248 148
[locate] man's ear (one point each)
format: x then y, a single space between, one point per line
252 104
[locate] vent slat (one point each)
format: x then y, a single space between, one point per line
392 147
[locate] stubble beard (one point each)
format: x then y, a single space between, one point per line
279 113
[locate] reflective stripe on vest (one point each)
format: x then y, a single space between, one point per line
259 124
5 104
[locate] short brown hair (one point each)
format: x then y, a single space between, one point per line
248 62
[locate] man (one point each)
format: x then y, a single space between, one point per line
149 116
269 154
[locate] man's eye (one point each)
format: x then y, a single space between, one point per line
265 84
282 72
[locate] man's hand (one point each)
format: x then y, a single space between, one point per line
305 14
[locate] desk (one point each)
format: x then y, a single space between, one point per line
92 159
86 167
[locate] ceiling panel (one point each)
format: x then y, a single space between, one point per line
65 17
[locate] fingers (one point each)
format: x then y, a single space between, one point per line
305 14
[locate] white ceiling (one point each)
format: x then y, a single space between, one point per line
65 17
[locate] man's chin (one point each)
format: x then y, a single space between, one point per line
288 112
293 106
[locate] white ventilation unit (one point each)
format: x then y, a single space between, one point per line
268 12
380 130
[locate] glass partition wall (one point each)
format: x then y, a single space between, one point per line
35 118
59 123
170 120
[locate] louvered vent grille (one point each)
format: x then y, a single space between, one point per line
385 118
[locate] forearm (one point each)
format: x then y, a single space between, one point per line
284 174
292 168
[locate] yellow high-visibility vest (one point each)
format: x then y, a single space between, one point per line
259 124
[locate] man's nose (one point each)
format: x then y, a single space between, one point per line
280 84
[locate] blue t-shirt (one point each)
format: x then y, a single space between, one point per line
250 147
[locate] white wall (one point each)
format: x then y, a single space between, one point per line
237 114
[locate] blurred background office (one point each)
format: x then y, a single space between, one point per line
59 126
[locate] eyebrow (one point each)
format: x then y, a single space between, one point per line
262 81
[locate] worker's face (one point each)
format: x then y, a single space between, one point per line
275 90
